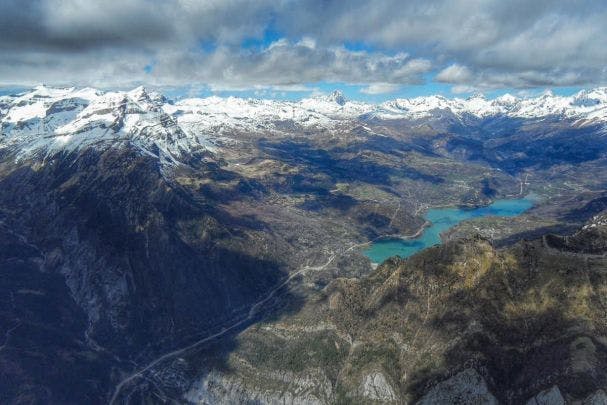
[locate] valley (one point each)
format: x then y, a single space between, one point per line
215 249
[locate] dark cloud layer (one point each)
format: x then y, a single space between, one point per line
474 43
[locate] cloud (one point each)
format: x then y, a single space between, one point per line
484 44
282 65
381 88
483 79
520 43
462 88
83 24
454 74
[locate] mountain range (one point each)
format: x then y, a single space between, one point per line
210 250
50 119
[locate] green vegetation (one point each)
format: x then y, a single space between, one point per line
511 314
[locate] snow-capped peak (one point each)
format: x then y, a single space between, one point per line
338 97
505 100
48 119
138 93
335 105
474 96
588 98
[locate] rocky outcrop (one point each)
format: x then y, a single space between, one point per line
596 398
218 388
591 239
551 396
375 387
466 387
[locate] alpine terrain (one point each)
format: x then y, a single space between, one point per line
211 250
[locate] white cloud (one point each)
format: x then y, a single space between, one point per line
454 74
381 88
519 43
490 43
462 88
282 66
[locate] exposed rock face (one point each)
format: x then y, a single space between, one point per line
466 387
376 387
217 388
42 332
550 396
597 398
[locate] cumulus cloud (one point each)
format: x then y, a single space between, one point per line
493 43
381 88
454 74
288 64
474 43
282 65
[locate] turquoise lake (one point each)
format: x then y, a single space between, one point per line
442 219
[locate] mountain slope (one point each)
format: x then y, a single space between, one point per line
48 119
142 226
146 264
458 323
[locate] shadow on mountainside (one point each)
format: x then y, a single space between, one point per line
106 266
331 163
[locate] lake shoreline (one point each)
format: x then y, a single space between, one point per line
397 236
437 222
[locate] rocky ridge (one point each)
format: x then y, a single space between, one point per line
458 323
45 120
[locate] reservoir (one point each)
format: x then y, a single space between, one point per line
441 219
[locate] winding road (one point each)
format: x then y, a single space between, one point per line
255 309
252 312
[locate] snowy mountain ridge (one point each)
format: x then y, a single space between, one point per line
45 119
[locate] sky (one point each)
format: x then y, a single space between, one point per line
288 49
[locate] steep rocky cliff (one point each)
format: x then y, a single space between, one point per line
106 253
